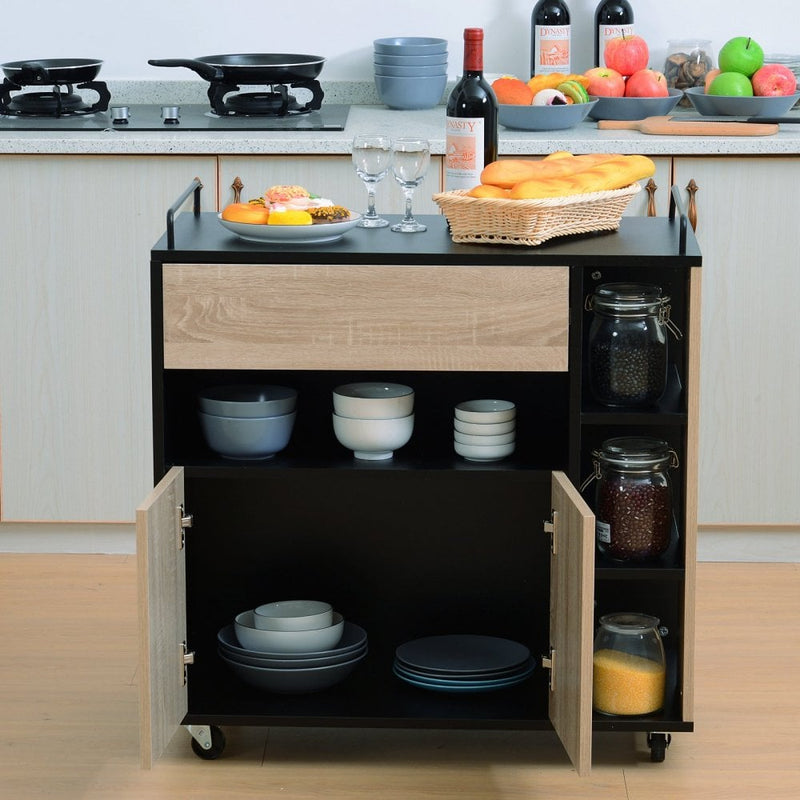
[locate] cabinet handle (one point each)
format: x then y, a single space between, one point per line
237 187
651 201
692 188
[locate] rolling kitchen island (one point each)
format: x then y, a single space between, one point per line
426 543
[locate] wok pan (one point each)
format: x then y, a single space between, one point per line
253 68
52 70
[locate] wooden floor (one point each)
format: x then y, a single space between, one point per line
68 704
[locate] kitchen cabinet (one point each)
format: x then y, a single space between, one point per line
749 426
426 543
74 325
328 176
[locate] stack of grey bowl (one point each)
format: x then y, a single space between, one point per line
410 71
246 421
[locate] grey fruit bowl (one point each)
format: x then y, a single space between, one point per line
634 107
543 118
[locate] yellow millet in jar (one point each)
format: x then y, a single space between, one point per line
627 684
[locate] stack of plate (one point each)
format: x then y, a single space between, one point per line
461 663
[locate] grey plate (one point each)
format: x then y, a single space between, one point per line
710 105
465 687
635 107
300 663
543 118
353 637
461 654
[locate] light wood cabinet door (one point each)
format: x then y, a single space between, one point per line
75 402
329 176
750 346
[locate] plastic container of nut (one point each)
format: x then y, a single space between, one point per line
633 497
687 64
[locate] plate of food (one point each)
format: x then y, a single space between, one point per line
288 215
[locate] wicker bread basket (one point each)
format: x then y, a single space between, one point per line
477 220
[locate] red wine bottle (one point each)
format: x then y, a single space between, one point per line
471 120
551 37
611 19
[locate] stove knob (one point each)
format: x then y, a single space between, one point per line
120 115
171 115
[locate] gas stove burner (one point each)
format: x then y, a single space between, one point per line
277 102
60 101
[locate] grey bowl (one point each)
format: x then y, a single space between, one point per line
634 107
247 437
712 105
410 72
411 93
543 118
247 400
354 637
410 45
389 60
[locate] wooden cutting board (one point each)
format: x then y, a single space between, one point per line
668 126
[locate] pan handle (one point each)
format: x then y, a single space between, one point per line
207 71
32 72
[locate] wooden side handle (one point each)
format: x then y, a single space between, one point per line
692 188
237 187
651 200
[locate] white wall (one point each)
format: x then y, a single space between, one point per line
126 35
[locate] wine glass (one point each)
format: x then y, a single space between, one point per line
372 158
411 160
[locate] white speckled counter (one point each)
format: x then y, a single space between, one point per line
367 115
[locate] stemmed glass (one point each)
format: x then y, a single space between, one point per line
372 158
411 160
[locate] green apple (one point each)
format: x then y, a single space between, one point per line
741 54
731 84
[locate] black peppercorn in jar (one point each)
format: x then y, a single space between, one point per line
627 344
633 498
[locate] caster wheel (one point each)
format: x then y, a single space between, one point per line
217 745
658 743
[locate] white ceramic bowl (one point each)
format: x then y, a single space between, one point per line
373 439
373 400
261 641
484 411
485 441
247 437
411 93
476 452
293 615
410 45
247 400
484 428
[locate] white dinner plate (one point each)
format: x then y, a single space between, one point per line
319 233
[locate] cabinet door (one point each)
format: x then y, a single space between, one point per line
328 176
571 621
163 699
75 401
749 381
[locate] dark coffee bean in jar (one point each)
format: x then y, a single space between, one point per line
627 344
633 499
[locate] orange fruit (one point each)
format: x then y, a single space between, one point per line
246 212
512 91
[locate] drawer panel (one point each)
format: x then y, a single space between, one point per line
365 317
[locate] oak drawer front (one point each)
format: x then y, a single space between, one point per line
365 317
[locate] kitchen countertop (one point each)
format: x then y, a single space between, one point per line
366 115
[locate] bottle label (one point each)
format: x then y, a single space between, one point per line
603 532
464 137
607 32
551 49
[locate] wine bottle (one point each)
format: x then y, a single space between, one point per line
471 120
611 19
550 37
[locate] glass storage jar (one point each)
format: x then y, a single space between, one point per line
687 64
633 497
627 351
629 665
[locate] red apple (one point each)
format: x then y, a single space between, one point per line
774 80
604 82
626 54
646 83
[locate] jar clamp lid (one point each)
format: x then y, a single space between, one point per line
632 454
632 300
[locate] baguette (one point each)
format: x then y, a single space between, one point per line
511 171
488 190
615 173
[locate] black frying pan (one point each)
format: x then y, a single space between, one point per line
52 70
253 68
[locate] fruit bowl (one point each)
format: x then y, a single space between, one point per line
543 118
634 107
713 105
